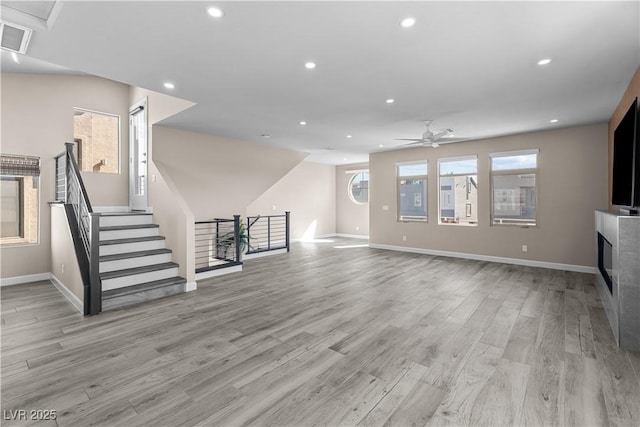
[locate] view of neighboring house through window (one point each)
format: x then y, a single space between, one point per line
359 188
458 190
412 191
19 182
97 141
513 187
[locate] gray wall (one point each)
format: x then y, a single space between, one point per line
572 183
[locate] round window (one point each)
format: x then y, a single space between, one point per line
359 188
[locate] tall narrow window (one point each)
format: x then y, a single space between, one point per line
19 182
412 191
513 187
458 190
97 140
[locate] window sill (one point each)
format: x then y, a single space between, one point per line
16 243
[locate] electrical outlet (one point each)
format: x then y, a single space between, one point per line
273 207
404 238
524 248
385 208
357 228
153 177
62 268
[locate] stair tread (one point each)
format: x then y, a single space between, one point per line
128 227
170 281
130 240
124 213
137 270
126 255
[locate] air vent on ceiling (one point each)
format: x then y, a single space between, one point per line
14 37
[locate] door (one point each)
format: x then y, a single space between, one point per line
138 165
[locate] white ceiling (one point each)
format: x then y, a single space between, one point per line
470 66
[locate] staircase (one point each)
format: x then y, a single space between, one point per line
135 265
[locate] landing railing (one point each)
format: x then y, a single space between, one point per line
268 233
218 243
84 223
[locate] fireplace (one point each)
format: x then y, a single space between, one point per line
605 261
618 274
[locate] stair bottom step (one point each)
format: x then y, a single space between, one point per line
121 297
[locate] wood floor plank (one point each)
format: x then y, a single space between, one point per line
543 400
500 402
584 396
457 406
499 331
522 342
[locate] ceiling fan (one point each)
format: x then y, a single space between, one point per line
431 137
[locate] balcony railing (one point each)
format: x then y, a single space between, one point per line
268 233
218 244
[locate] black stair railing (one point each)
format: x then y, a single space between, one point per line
268 233
218 243
84 224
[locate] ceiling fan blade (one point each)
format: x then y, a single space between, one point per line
417 143
450 140
410 139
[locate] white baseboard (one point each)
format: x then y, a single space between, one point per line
190 286
73 299
264 254
352 236
218 272
19 280
503 260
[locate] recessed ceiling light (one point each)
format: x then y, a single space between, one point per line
349 136
310 65
303 123
266 135
390 101
169 85
553 121
380 145
345 159
215 12
408 22
15 57
545 61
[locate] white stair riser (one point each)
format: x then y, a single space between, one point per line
114 220
121 264
130 233
131 247
136 279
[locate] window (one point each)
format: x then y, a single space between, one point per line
359 188
412 191
513 187
19 182
459 191
97 141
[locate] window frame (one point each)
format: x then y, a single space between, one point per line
20 214
78 142
425 194
355 173
511 172
27 174
455 175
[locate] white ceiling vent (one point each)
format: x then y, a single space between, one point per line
14 37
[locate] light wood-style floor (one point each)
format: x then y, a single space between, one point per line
328 335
